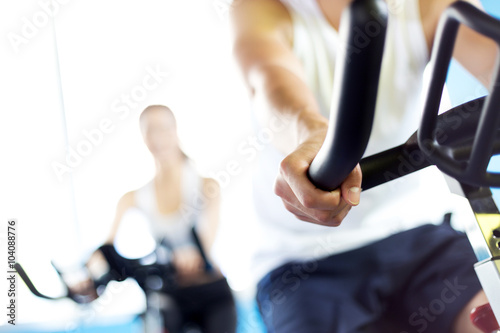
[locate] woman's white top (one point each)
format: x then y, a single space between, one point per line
175 227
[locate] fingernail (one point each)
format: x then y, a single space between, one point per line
353 195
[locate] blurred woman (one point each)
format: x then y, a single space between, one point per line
174 201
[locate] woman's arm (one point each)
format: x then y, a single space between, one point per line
97 264
126 201
210 216
188 260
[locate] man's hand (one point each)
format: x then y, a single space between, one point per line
263 46
303 199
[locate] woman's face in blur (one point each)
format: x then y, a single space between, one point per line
159 131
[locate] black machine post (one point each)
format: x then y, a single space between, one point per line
357 74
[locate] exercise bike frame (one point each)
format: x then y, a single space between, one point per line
146 274
459 142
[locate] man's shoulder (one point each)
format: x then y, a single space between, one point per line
261 19
260 10
257 3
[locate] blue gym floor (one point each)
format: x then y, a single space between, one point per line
249 322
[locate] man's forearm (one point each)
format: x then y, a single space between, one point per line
280 93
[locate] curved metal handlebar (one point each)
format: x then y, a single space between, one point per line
473 171
455 129
355 90
354 97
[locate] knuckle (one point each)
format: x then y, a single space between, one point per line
357 168
289 207
335 198
308 202
285 165
292 165
357 172
303 218
278 188
336 221
323 217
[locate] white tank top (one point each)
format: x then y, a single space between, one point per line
175 227
384 210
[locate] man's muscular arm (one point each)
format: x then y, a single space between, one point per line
263 48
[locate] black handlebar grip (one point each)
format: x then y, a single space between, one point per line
363 28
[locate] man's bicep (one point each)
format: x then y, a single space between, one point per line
258 56
262 37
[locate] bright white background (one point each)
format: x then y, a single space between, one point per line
52 94
104 50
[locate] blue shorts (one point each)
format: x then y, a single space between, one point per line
415 281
